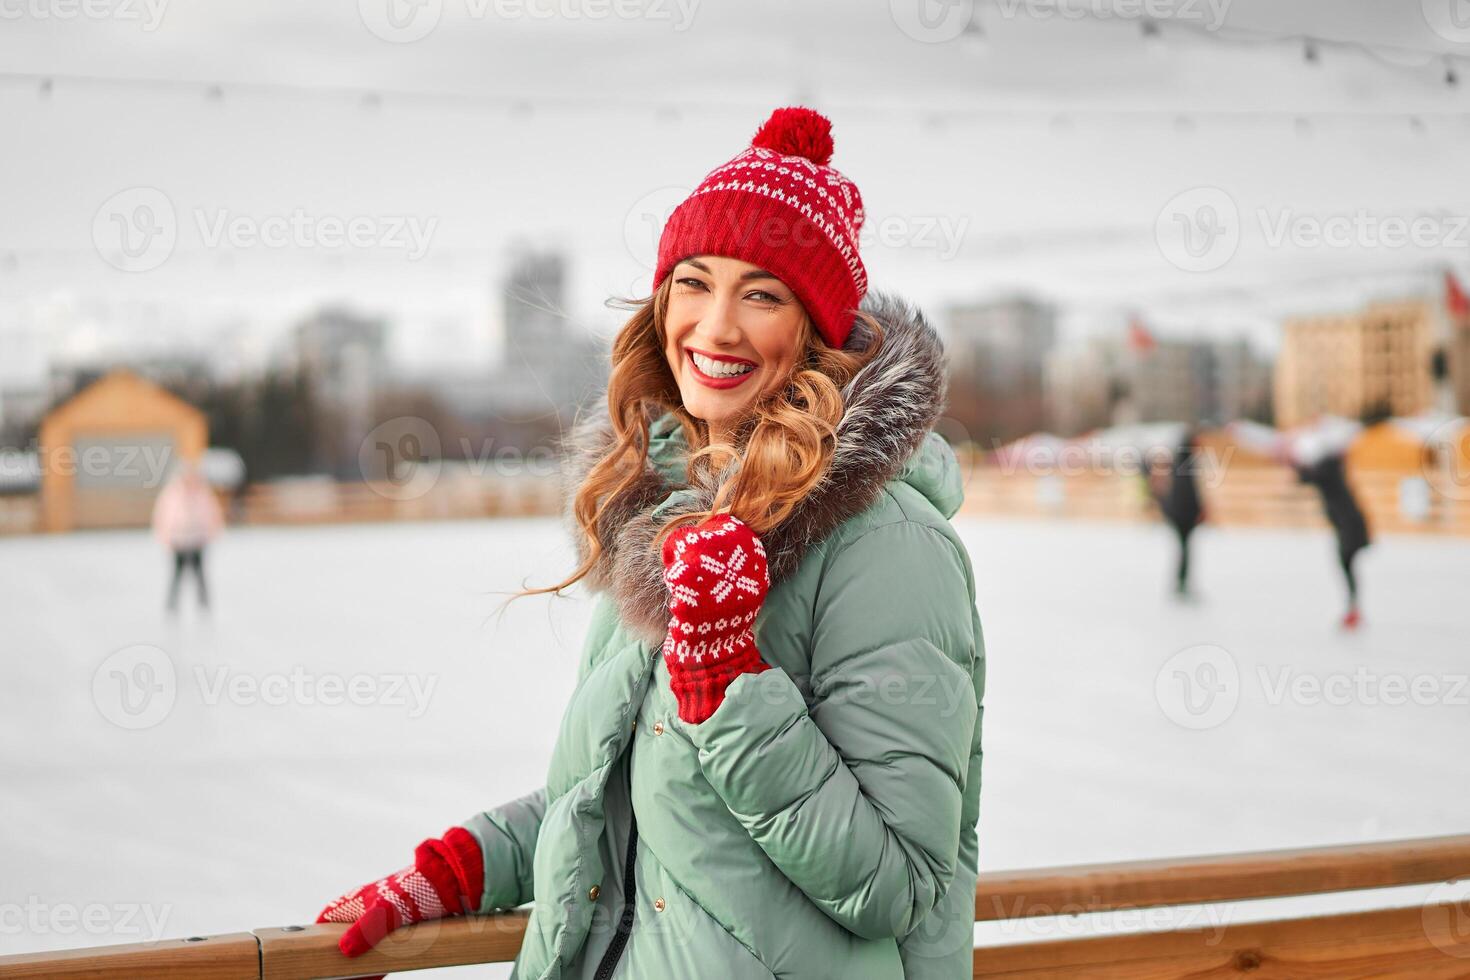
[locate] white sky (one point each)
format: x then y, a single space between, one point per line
1040 160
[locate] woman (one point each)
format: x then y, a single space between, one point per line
186 518
770 765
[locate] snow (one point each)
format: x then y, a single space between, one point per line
250 801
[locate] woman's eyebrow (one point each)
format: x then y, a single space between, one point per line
752 274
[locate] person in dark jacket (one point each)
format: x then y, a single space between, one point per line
1176 492
1329 476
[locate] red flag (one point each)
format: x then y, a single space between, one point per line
1455 300
1139 337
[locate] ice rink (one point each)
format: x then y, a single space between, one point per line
355 691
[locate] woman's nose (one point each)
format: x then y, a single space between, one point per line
720 326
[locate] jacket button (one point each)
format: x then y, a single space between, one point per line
635 724
593 892
658 905
658 728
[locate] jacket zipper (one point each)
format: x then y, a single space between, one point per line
625 924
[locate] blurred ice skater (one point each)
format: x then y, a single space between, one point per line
186 518
1317 453
1172 485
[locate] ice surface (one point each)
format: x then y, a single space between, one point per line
242 813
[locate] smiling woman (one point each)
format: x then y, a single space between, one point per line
754 776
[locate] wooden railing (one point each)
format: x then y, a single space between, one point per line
1429 940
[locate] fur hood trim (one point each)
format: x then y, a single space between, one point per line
890 406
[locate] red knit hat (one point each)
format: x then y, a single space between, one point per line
778 205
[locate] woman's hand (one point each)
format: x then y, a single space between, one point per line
446 878
717 577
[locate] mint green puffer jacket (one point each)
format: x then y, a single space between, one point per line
822 823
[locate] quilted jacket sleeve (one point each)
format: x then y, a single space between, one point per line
507 838
857 799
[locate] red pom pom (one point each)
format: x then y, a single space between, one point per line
797 132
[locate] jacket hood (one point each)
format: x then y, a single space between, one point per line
890 408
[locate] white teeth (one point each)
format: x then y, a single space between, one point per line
720 369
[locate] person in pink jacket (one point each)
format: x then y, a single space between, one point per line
186 517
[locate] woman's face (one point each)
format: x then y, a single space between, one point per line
733 332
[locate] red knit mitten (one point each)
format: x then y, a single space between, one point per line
718 579
446 878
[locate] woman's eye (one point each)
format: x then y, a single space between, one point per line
689 282
761 296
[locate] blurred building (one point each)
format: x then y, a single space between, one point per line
997 351
550 364
1080 383
105 452
343 355
1373 361
1108 381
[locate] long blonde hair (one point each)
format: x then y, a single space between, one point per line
781 449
